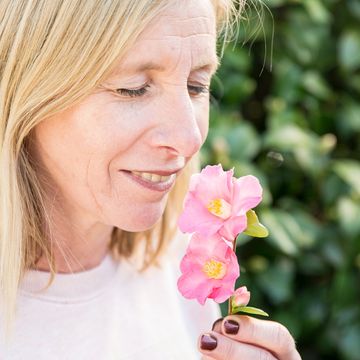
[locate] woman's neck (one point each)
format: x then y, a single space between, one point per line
78 244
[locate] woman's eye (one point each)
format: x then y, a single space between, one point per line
133 92
193 90
197 90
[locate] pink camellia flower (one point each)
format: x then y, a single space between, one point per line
241 297
209 269
217 202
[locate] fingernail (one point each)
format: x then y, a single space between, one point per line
208 342
231 327
216 322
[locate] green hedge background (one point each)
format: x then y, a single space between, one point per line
289 113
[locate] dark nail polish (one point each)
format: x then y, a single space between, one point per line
216 322
231 327
208 342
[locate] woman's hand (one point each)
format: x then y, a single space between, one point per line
241 337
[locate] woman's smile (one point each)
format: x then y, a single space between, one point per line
152 181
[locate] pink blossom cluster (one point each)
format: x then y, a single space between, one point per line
214 212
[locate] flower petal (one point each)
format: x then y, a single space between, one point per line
195 286
195 217
241 297
214 183
194 282
232 266
203 291
233 226
189 283
247 193
190 263
223 293
203 245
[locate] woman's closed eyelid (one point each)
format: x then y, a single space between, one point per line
133 92
199 89
193 89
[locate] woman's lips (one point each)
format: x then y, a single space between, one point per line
152 181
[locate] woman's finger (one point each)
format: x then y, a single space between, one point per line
263 333
220 347
217 325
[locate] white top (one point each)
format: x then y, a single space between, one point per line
109 312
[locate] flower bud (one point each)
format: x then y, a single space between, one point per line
240 297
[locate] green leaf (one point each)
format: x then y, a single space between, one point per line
307 41
317 11
349 50
349 171
254 227
354 7
279 236
249 310
275 3
305 146
277 281
348 213
349 114
314 83
243 141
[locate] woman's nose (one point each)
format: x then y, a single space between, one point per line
181 127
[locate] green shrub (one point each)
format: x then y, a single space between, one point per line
290 114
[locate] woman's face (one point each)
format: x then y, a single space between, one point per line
149 117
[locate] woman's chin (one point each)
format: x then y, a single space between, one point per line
138 222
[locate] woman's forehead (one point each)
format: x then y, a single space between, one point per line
191 31
193 18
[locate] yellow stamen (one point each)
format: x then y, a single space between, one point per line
219 208
214 269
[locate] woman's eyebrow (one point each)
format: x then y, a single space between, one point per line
210 66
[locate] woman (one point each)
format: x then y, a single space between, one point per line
103 105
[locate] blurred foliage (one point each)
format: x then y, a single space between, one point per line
286 108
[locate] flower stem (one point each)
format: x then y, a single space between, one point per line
229 301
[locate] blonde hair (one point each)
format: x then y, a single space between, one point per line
52 55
